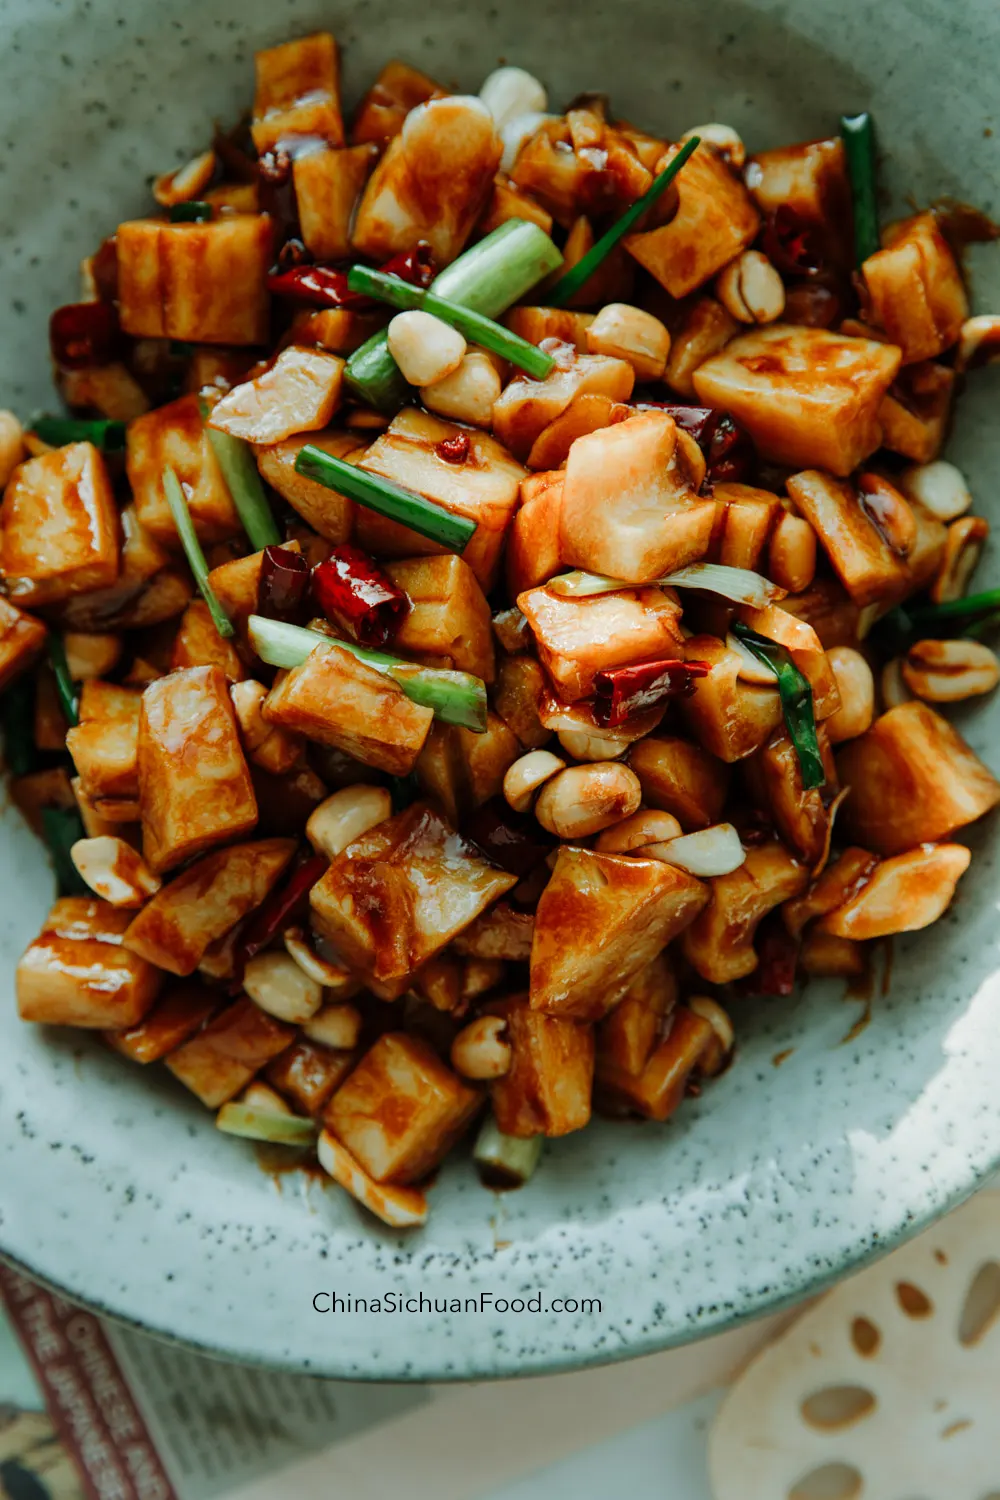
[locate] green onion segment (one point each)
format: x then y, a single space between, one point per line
858 135
192 551
65 685
106 435
739 584
796 701
386 498
239 470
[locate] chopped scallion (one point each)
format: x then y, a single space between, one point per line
796 702
192 550
17 715
65 686
105 434
505 1161
739 584
386 498
858 135
190 212
62 827
255 1124
239 470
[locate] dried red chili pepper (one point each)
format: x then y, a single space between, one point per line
454 450
792 246
728 449
353 592
515 842
324 286
777 960
277 911
82 334
284 585
415 266
621 691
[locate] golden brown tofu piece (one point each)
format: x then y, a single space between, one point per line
730 718
175 1017
547 1089
807 396
448 624
527 407
681 778
902 894
432 183
915 289
502 932
803 646
60 533
581 165
222 1058
199 283
484 487
914 415
520 687
626 1037
715 221
104 745
76 972
538 323
146 592
750 515
837 883
177 927
576 638
112 390
913 780
340 701
719 943
630 503
658 1090
237 583
600 920
297 92
298 393
328 184
174 436
401 1110
194 785
703 328
461 769
198 644
871 572
307 1075
397 89
533 547
809 182
22 638
396 896
800 817
324 510
507 201
339 329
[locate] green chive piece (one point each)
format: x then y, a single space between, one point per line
476 328
386 498
972 607
567 286
505 1161
191 212
796 702
455 697
239 470
106 435
237 1118
17 715
64 683
487 279
858 135
61 829
192 550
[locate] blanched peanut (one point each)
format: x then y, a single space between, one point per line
939 487
114 870
186 182
628 333
267 745
949 671
593 744
634 833
963 548
277 984
336 1026
516 133
904 893
89 655
480 975
857 694
710 852
888 512
585 799
424 348
892 688
750 289
725 140
345 816
978 343
468 393
12 449
298 946
791 554
715 1057
481 1051
523 779
510 92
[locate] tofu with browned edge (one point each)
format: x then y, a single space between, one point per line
174 436
76 972
546 1090
221 1059
203 283
60 533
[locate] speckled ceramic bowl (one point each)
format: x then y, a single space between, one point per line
113 1184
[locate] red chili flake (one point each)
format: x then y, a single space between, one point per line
415 266
515 842
621 691
353 592
454 450
284 584
791 245
277 911
82 334
777 960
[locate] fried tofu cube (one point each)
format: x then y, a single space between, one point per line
298 393
174 436
502 932
194 785
22 639
339 329
198 644
432 183
76 972
507 201
871 572
198 907
715 221
658 1090
104 745
199 283
397 89
681 778
576 638
600 920
307 1075
627 1035
584 414
533 545
221 1059
147 590
449 623
704 328
915 289
401 1110
547 1088
728 717
297 92
461 769
236 584
800 816
913 781
914 415
809 183
112 390
324 510
808 397
38 790
527 407
483 488
562 323
630 506
750 516
400 893
341 701
60 533
175 1017
328 184
719 943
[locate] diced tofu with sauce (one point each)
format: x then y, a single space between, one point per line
326 511
807 396
177 1015
527 407
507 201
104 745
627 1035
730 718
397 89
915 289
339 329
533 544
112 390
200 283
401 1109
174 436
600 920
198 644
224 1056
681 778
719 943
502 932
340 701
432 183
22 639
146 592
328 184
236 584
484 488
562 323
399 1207
547 1088
194 785
809 181
298 393
448 624
198 907
297 93
914 416
630 503
871 572
400 893
307 1074
76 972
461 769
579 164
800 816
658 1090
576 638
749 517
59 530
715 221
